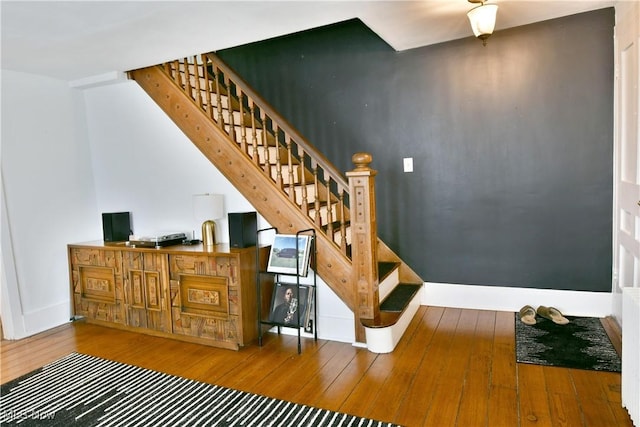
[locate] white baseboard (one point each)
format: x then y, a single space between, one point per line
46 318
338 328
500 298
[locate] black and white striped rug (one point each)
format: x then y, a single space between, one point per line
89 391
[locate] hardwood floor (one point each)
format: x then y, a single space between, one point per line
453 367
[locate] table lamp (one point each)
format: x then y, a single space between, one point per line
206 208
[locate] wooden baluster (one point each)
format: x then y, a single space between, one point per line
180 74
167 69
243 128
205 90
195 82
196 78
232 126
292 187
207 82
177 77
329 207
316 186
279 180
187 78
343 223
254 133
303 181
265 145
216 76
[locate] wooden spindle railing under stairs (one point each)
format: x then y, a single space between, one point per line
286 179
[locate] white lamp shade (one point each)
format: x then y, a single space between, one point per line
483 19
208 206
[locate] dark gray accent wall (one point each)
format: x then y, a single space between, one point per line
512 143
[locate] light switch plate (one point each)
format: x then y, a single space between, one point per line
408 164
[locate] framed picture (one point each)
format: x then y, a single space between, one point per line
289 257
286 305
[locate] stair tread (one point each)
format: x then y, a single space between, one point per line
336 225
397 300
385 268
394 305
387 318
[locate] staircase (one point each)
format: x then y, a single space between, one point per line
293 187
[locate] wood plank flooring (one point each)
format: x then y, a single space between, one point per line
453 367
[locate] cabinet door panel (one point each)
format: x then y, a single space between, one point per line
153 291
98 284
147 292
203 303
98 291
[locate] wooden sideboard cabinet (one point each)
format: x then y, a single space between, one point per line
183 292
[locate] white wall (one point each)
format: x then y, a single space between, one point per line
144 164
48 198
87 151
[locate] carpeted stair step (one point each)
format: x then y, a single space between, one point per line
393 306
385 268
399 297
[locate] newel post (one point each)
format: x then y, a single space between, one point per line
364 238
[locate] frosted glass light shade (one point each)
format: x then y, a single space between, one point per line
483 20
208 206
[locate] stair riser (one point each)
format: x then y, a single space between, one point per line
386 286
287 178
298 192
337 236
249 136
324 215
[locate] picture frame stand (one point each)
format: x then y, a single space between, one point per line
291 304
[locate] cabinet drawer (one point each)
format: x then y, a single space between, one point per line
204 295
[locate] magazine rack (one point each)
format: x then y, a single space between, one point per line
291 304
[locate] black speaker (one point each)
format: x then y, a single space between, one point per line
243 227
116 226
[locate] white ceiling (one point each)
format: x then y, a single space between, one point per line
75 40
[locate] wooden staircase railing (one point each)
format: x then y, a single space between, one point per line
307 178
271 164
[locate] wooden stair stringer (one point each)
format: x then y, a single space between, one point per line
272 203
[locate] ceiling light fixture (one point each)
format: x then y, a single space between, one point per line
483 19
